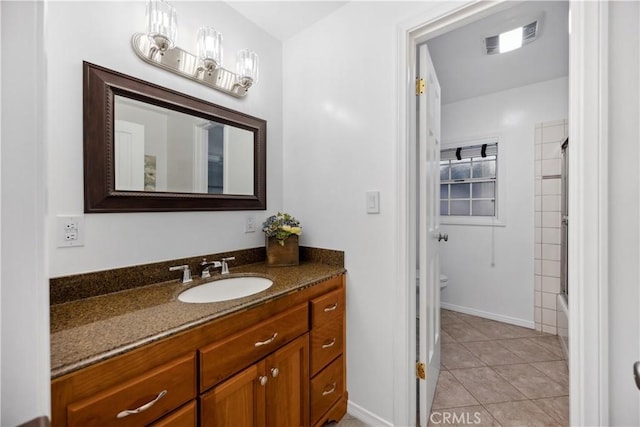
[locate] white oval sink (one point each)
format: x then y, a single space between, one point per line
225 289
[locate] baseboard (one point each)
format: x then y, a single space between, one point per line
487 315
365 416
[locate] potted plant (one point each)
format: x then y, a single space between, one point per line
281 234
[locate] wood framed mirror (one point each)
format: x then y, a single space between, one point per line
150 149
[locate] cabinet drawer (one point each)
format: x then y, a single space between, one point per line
187 416
326 388
326 344
224 358
168 386
327 308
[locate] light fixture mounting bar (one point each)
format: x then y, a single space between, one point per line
186 64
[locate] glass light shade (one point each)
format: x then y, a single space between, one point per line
210 47
162 24
247 67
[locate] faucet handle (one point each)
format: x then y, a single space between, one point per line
225 267
206 265
186 272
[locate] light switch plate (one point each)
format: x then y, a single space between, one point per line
373 202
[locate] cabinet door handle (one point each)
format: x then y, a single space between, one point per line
331 389
263 380
330 307
329 344
265 342
142 408
275 372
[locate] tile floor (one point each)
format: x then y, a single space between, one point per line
496 374
347 421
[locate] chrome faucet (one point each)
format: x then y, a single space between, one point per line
225 267
186 272
206 265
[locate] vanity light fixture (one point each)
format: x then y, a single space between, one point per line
158 47
512 39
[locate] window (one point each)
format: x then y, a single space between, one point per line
468 181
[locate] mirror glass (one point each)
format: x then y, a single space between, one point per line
161 150
148 148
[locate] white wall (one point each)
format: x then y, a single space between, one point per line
100 32
624 213
25 372
340 119
504 291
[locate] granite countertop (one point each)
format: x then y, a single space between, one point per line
90 330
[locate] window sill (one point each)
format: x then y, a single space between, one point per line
477 221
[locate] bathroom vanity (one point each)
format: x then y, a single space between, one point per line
141 357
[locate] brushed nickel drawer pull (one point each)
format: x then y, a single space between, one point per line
142 408
331 307
331 390
265 342
329 344
263 380
275 372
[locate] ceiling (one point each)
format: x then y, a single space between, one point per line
463 68
283 19
465 71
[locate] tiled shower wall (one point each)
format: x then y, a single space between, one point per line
549 137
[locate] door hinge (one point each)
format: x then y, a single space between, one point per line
420 87
420 371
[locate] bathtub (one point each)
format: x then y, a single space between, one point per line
563 323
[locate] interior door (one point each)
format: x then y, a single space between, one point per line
428 231
129 161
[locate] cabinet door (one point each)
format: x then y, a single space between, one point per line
288 385
239 401
187 416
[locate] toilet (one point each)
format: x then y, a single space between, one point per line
444 281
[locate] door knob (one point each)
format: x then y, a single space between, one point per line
636 373
442 237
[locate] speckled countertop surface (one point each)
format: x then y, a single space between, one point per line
90 330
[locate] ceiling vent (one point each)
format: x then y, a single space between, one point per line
511 40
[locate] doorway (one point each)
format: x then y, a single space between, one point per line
585 124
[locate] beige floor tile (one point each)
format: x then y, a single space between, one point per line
523 413
466 317
530 381
557 407
528 350
445 338
557 370
486 385
495 330
463 332
348 421
457 356
492 353
458 417
450 393
550 343
520 332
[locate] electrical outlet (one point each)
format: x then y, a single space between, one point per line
250 224
70 230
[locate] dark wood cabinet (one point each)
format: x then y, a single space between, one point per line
273 392
279 364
